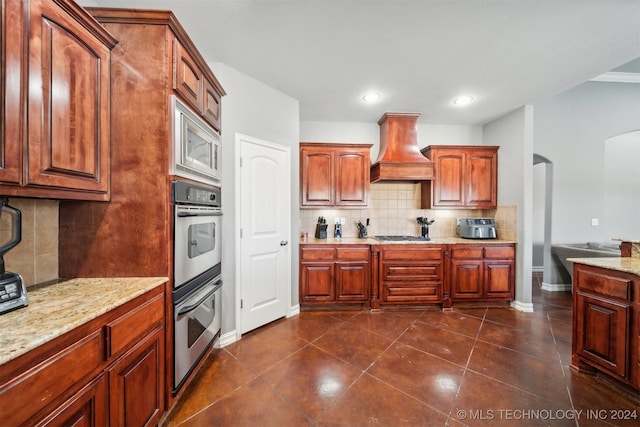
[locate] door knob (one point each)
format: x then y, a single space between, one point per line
284 243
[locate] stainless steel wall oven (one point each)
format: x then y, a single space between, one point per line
197 268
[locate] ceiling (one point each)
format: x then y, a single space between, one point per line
418 54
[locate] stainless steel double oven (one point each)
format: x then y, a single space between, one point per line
197 270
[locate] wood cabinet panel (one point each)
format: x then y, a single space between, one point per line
411 274
12 29
603 327
87 408
352 281
335 274
317 282
212 105
352 178
138 373
467 279
606 330
37 388
334 174
465 177
188 78
122 332
62 135
482 272
499 279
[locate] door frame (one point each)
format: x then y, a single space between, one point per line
239 140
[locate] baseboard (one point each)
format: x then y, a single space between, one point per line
557 287
228 338
294 310
526 307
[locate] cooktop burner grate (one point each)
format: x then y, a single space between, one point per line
399 238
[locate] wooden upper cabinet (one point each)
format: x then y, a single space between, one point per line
188 77
11 113
334 174
63 135
465 177
197 85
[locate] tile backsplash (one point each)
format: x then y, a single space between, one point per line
36 256
393 209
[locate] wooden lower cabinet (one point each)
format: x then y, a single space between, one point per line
138 373
605 337
482 272
334 274
109 371
89 407
411 274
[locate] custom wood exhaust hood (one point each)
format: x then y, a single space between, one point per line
399 158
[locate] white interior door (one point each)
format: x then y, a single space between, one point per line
265 217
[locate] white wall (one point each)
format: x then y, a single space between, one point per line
369 133
254 109
513 133
570 130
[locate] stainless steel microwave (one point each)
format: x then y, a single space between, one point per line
196 146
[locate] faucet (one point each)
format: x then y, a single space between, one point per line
424 226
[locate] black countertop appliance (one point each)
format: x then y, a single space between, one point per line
13 293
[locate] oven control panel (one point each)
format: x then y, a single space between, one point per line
193 194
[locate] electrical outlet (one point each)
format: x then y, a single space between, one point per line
336 220
342 221
595 222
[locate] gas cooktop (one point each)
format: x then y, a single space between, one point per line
400 238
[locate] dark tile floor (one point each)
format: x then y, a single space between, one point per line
470 366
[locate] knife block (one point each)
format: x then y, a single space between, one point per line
321 231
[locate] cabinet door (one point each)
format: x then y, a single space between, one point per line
188 80
448 185
136 384
466 279
352 282
211 107
68 127
499 279
602 332
480 179
11 111
317 282
317 178
352 178
89 407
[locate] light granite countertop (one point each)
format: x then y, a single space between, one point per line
58 308
624 264
373 241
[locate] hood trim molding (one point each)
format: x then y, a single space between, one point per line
399 158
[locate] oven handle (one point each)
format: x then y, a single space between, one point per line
190 214
216 285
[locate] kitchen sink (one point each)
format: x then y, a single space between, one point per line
401 239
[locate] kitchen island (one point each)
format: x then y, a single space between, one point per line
606 306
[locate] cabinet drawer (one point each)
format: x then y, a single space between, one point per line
322 254
409 272
603 284
411 254
499 252
462 252
347 253
52 379
129 328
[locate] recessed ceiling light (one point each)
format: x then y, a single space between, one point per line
371 97
463 100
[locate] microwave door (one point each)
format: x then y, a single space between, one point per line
198 150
